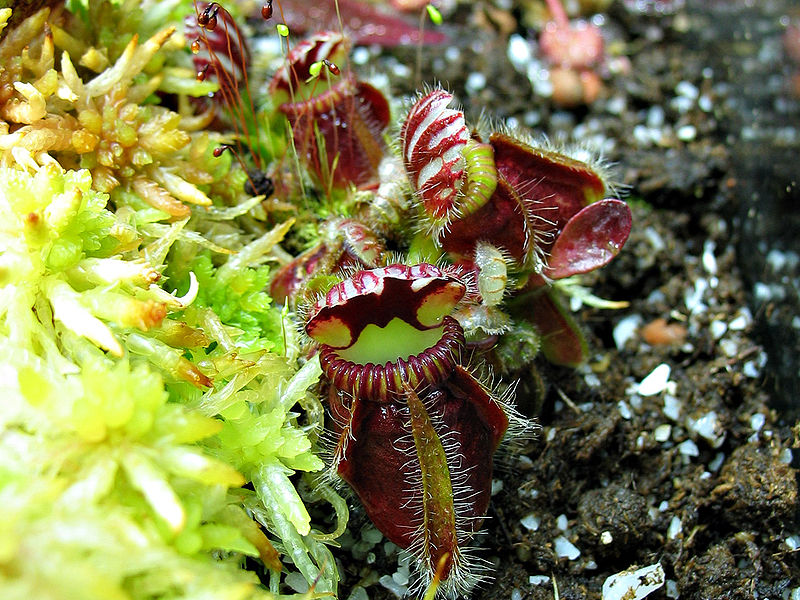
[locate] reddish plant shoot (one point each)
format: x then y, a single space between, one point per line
337 121
574 49
576 44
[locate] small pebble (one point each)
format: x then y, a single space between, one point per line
379 80
671 589
519 51
401 576
624 410
361 548
694 297
633 584
405 559
516 594
762 291
662 432
657 242
687 133
452 53
757 421
592 380
675 528
688 448
530 522
729 348
565 549
532 118
681 104
672 407
616 105
392 586
358 593
709 260
778 260
656 381
625 330
741 322
371 535
655 116
606 538
686 89
360 56
541 87
718 329
538 579
708 427
476 81
642 135
401 71
562 523
717 461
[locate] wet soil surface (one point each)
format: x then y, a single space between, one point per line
695 471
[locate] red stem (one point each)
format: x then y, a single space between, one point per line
558 13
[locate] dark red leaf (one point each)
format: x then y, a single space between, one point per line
379 460
562 342
365 23
556 185
590 239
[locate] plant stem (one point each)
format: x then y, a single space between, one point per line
558 13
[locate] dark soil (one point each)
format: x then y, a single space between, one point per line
700 476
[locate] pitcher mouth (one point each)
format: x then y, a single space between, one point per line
384 361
